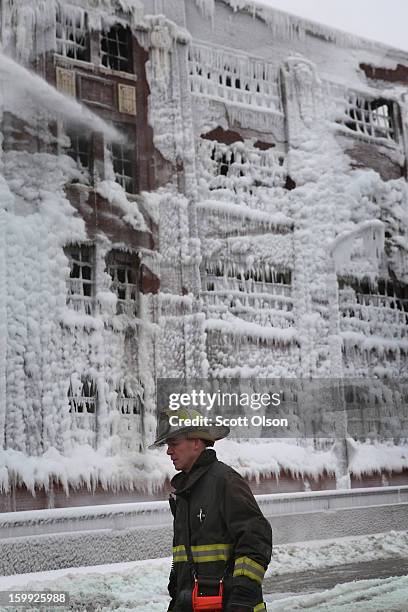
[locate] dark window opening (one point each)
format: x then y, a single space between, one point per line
123 269
72 35
81 283
79 148
82 396
225 162
116 49
123 160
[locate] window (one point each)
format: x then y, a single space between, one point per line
16 134
116 49
81 279
229 276
123 269
72 35
358 297
82 395
129 398
79 148
225 162
371 117
123 160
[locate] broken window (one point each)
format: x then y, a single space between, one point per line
116 49
375 118
72 35
82 395
79 148
129 399
123 269
123 160
81 282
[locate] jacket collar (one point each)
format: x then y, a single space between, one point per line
185 480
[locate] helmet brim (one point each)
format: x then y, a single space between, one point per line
211 434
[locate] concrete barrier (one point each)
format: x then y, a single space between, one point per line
37 540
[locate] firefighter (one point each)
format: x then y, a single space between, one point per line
222 543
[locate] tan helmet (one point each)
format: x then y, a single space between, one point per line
201 430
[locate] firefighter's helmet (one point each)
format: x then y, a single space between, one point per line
202 428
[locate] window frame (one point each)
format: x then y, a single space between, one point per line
64 44
88 403
117 259
362 117
115 61
86 302
118 151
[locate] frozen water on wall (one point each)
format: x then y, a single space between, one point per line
243 221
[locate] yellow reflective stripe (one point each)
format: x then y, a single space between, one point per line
244 566
178 548
260 607
203 553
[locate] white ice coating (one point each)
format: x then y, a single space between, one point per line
287 25
248 258
372 235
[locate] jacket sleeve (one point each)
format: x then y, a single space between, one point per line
172 584
251 534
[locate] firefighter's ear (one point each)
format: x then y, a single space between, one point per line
199 444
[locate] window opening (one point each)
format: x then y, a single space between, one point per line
221 276
72 35
79 148
123 160
81 280
116 49
129 398
82 395
373 118
123 270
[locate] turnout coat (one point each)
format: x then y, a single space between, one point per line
229 536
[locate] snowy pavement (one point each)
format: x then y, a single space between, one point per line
141 586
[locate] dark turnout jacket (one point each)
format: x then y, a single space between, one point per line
228 535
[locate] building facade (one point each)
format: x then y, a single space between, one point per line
227 199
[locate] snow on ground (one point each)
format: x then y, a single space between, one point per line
317 554
375 595
141 586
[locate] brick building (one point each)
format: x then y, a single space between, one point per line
247 218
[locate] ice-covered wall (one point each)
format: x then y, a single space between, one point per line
274 243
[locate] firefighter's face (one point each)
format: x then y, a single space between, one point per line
184 452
